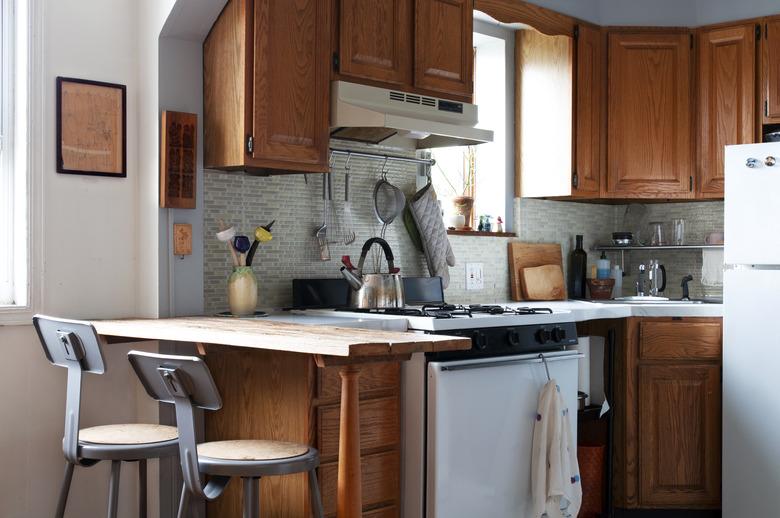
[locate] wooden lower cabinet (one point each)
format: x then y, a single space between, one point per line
679 440
284 396
667 408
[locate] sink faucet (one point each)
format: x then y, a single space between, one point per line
640 283
684 285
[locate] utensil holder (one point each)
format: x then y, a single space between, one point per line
242 291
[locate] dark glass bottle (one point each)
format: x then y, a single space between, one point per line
578 266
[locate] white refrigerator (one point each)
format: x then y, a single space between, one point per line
751 332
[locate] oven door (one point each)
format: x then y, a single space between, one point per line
480 422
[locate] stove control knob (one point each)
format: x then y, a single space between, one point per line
479 340
542 336
558 334
513 338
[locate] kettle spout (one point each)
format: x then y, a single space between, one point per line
354 281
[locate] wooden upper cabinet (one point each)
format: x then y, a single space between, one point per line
726 88
649 130
543 114
679 440
770 87
443 50
291 84
266 87
376 40
589 92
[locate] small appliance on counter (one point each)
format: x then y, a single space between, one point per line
374 290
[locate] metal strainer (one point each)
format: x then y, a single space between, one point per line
389 203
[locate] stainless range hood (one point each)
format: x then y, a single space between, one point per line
392 117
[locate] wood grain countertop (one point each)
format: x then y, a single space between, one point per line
279 336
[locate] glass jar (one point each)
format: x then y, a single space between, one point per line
242 291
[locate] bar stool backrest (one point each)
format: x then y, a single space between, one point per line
186 382
75 345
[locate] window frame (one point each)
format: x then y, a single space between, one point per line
22 33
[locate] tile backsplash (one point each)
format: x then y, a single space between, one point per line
295 202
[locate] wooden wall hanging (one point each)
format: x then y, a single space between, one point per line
91 128
178 156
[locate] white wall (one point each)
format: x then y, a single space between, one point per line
95 264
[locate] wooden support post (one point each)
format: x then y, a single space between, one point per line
349 501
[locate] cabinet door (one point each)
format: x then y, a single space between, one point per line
727 58
771 70
291 88
443 50
375 40
679 440
649 146
588 112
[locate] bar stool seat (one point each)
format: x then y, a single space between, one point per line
251 450
129 433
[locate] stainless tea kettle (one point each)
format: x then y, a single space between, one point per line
656 276
375 290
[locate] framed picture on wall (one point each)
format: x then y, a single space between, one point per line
91 128
178 156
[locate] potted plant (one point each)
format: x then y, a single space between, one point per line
464 203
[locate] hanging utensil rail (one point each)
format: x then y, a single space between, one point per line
377 156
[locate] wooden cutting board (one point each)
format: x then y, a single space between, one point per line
543 282
529 255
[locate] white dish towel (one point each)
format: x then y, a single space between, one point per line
555 474
712 267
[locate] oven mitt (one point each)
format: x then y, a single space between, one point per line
426 211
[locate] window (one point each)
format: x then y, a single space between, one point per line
484 172
14 263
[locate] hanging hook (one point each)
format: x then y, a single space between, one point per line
346 164
546 368
384 168
330 160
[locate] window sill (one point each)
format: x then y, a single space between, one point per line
454 232
16 315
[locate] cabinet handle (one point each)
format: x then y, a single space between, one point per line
752 163
770 161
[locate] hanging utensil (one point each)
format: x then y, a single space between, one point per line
389 203
349 225
333 231
320 234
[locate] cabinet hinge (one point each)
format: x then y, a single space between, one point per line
575 180
758 32
576 32
766 108
690 183
250 144
336 61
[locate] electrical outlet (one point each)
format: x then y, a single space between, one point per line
475 279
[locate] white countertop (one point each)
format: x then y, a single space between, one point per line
585 310
563 311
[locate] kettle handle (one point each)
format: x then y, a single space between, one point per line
367 246
663 284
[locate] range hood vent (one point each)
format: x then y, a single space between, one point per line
392 117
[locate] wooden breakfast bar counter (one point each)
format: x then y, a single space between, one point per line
244 346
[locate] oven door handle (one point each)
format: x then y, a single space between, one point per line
502 363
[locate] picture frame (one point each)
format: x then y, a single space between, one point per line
178 160
91 128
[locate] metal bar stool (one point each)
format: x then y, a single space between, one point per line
186 382
76 346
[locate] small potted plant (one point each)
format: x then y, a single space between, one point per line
464 203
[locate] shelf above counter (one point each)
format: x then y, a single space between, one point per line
618 248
